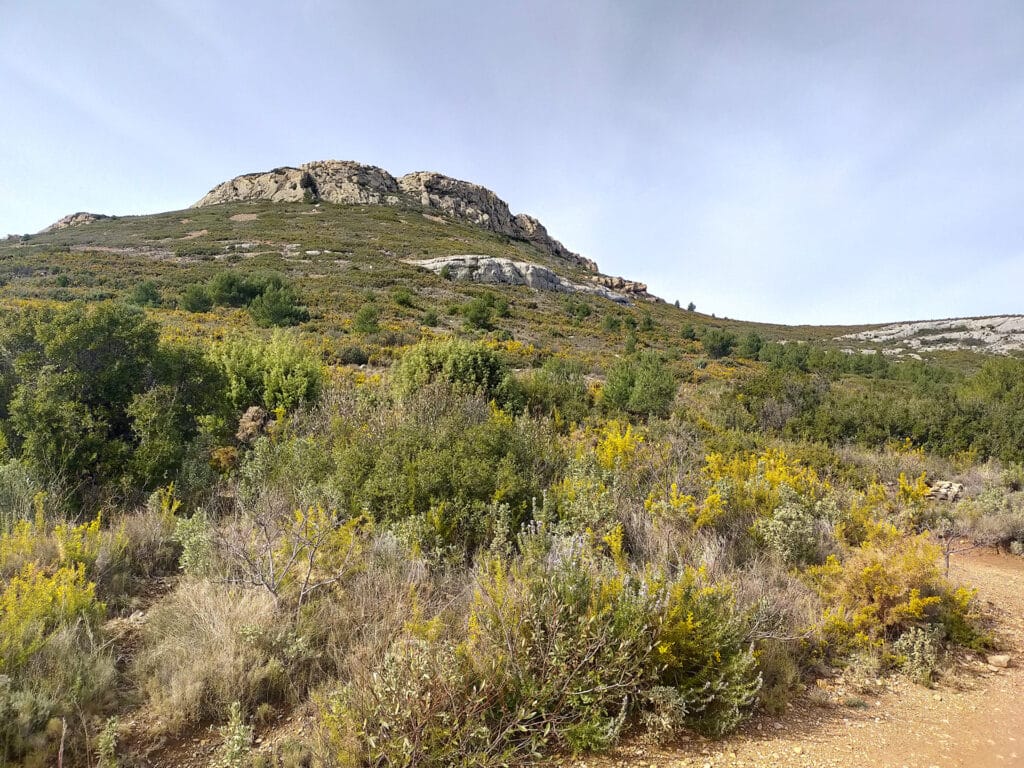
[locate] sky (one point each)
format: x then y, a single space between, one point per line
794 162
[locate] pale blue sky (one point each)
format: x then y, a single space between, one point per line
779 161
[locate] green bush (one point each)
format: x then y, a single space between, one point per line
470 365
196 299
403 297
231 289
558 388
279 373
367 319
640 385
97 399
563 644
717 342
479 314
145 294
278 307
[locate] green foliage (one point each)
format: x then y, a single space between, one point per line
479 314
195 537
441 469
236 741
703 652
233 289
278 307
97 398
473 366
717 342
916 654
563 642
196 299
51 663
17 487
403 297
576 309
278 373
145 294
558 388
106 744
791 533
641 385
367 319
750 346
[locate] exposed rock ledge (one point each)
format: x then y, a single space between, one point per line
337 181
1003 334
74 219
498 271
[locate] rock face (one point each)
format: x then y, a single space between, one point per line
345 182
1003 334
498 271
622 285
75 219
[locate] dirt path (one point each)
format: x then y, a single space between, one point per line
974 718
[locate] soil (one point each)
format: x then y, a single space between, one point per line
972 718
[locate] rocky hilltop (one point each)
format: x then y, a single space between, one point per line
338 181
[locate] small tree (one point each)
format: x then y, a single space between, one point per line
366 319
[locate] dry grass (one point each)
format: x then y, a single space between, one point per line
199 653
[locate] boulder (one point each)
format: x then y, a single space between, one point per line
945 490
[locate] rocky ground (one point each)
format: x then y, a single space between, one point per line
973 718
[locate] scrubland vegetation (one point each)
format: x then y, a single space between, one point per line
471 541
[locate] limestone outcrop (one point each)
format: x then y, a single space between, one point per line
622 285
494 270
75 219
336 181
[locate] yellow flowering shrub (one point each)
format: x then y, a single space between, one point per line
884 587
34 604
618 445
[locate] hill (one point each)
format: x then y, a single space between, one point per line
359 470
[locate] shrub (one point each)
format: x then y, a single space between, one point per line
279 373
98 399
704 653
642 385
236 740
887 586
916 654
52 661
278 307
403 297
473 366
366 319
353 355
196 299
559 389
561 645
791 533
479 314
231 289
17 489
145 294
717 342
